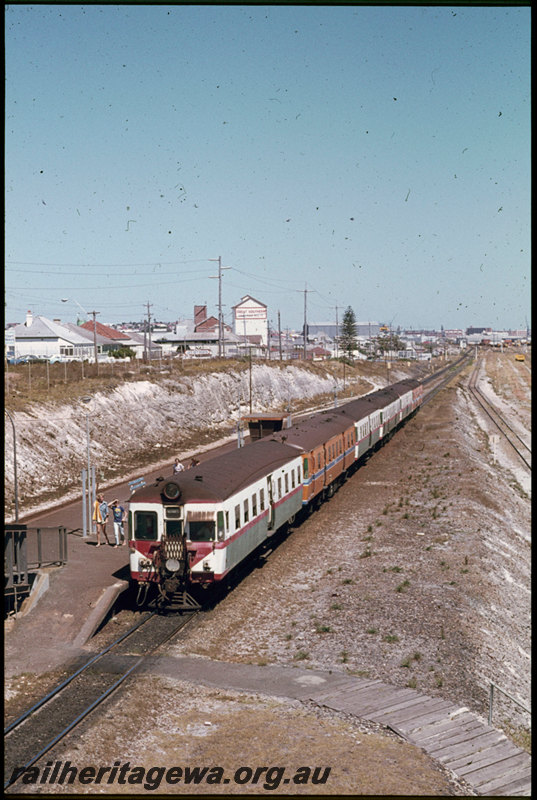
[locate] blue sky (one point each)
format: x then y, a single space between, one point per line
377 156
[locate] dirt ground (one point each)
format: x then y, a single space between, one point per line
415 573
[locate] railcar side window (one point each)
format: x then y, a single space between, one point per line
145 525
293 478
279 487
254 505
246 510
201 531
220 525
298 474
286 483
237 517
262 499
306 468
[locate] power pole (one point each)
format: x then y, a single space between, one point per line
280 336
220 318
250 378
337 334
149 305
94 314
305 322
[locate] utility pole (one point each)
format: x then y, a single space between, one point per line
149 305
220 317
337 334
305 321
94 314
280 336
250 378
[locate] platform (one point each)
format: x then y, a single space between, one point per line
78 598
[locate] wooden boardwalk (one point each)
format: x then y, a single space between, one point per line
482 756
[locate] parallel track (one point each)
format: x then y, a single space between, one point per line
510 435
35 732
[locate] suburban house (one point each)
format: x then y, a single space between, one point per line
138 342
198 337
39 336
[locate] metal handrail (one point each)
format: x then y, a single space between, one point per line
510 696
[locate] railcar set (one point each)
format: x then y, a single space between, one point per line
191 531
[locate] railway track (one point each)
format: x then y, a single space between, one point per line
29 737
521 448
443 377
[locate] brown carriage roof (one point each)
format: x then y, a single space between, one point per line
312 432
218 478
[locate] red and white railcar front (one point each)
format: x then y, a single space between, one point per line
190 531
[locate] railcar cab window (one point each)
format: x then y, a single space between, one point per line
145 525
201 531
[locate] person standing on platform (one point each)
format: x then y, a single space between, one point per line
118 518
100 516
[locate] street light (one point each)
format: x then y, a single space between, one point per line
66 300
14 466
87 313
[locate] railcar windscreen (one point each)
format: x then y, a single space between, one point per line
145 525
201 531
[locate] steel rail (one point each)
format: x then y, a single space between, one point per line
95 703
458 367
67 681
500 417
483 402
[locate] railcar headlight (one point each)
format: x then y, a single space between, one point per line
172 564
171 490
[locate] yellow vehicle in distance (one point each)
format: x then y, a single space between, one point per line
520 357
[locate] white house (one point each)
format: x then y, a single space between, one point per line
40 336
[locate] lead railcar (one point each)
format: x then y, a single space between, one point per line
193 529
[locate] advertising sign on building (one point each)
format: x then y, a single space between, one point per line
242 312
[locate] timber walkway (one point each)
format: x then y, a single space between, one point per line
483 756
480 755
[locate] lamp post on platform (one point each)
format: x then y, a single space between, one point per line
16 488
87 399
